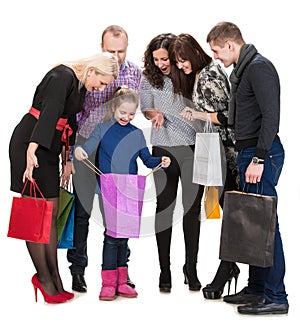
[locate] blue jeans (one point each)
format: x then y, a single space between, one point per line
266 281
114 252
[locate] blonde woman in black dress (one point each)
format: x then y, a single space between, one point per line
37 142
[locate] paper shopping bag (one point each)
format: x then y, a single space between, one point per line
211 202
207 169
122 196
65 219
248 228
31 217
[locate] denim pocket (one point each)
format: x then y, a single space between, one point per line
276 163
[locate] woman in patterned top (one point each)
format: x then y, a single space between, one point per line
174 137
203 81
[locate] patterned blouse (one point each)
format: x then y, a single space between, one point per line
211 94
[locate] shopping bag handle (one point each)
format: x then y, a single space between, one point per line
93 167
33 188
259 185
155 169
208 127
90 165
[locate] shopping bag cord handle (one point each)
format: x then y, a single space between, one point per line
33 188
155 169
258 185
94 168
89 164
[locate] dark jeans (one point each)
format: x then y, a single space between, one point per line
114 252
267 281
166 183
84 183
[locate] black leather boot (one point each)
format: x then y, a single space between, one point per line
190 276
78 283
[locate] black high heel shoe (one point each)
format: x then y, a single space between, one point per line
165 282
190 277
225 273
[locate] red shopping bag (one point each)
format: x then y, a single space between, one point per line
31 217
122 196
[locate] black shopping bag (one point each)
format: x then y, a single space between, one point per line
248 228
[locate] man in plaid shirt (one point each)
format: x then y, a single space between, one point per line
115 41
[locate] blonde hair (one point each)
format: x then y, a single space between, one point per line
121 94
104 63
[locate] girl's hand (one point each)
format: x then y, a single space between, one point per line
165 161
80 154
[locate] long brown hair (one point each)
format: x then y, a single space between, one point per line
185 47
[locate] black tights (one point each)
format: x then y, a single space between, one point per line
44 258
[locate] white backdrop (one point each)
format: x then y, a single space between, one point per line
37 34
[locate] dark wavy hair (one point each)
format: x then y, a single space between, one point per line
185 47
151 71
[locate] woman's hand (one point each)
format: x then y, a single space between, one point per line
158 120
188 114
31 161
191 114
80 154
165 161
156 117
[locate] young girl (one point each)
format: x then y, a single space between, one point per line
120 144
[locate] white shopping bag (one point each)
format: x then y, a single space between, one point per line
207 168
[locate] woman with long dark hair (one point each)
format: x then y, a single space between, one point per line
174 137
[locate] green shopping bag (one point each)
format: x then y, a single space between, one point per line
65 218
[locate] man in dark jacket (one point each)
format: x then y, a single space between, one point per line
254 111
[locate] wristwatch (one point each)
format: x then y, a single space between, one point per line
256 160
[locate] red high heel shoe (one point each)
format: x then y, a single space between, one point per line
68 295
58 298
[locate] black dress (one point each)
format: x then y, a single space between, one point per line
57 96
